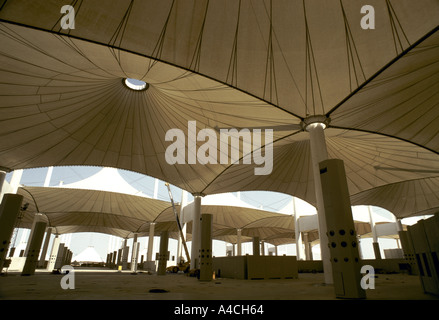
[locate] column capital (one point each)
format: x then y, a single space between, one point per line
198 194
313 120
6 170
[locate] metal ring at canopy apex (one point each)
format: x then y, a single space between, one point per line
135 85
315 119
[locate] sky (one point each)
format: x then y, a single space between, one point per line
270 201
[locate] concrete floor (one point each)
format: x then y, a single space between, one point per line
112 285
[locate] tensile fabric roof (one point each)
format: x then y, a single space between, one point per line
225 64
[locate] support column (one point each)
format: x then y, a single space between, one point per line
48 176
239 242
15 180
319 153
375 244
63 255
183 204
156 188
205 256
262 247
408 250
9 211
163 254
107 261
341 233
125 252
42 261
119 258
308 251
401 235
300 253
53 253
398 225
2 181
196 232
134 254
59 256
35 241
149 264
114 259
400 231
256 246
150 242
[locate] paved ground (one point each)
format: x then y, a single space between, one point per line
113 285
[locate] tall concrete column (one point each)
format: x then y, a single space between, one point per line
163 254
125 252
156 188
205 255
53 253
375 244
256 246
239 242
65 255
398 225
300 253
35 241
2 181
42 260
134 254
316 126
341 233
107 261
114 259
262 247
9 211
150 242
308 251
180 250
399 229
196 232
360 252
59 256
119 257
15 180
48 176
38 217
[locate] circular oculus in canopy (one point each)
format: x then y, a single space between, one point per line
136 85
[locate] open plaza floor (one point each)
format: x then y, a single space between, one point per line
113 285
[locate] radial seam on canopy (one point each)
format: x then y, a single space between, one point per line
387 66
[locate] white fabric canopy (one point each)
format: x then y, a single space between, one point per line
88 255
81 210
232 64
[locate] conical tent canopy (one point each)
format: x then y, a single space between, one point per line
224 64
89 255
107 179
